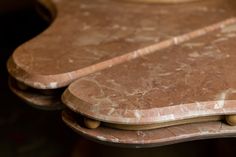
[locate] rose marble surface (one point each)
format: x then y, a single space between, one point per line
191 80
86 36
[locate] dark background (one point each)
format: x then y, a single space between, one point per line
28 132
25 131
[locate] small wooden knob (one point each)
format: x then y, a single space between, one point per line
231 120
21 86
91 124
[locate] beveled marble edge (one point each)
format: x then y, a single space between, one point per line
36 100
149 116
153 138
61 80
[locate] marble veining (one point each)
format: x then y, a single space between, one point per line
88 36
171 84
